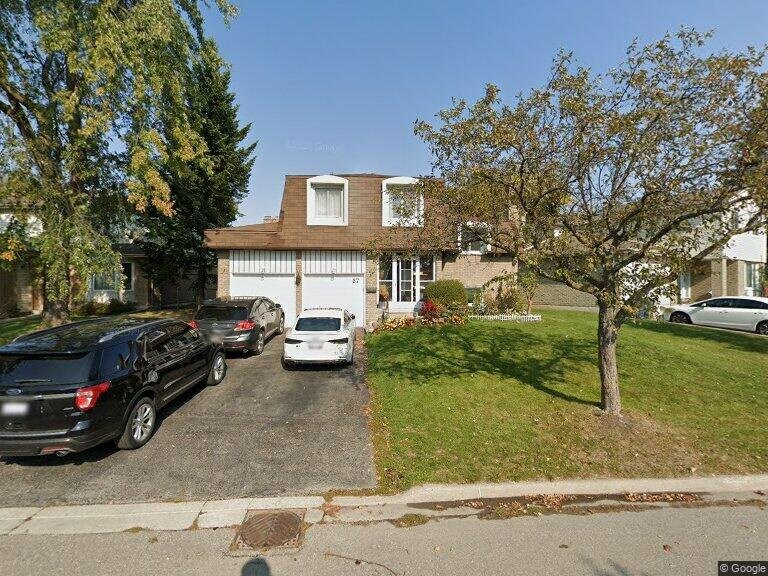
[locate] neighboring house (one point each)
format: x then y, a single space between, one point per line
18 292
736 270
315 253
131 284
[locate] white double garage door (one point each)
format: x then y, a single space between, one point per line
329 278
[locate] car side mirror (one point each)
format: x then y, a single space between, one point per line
277 305
351 316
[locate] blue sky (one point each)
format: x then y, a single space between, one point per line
335 86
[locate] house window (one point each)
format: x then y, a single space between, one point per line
385 279
400 205
127 275
403 280
470 241
754 276
104 282
327 201
684 284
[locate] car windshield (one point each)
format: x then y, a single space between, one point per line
222 313
45 369
318 324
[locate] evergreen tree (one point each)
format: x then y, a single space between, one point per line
205 191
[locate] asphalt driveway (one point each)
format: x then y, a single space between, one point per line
261 432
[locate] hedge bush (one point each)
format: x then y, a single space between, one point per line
448 293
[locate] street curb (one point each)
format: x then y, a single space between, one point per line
430 493
110 518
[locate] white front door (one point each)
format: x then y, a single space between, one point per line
334 279
402 281
269 273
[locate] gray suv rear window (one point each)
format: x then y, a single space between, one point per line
222 313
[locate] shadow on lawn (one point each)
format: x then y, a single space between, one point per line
745 341
457 351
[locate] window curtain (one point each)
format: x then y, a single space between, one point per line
328 202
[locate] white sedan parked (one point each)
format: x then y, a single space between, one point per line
738 313
321 335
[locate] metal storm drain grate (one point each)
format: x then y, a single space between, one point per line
268 529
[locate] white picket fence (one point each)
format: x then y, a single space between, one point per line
508 317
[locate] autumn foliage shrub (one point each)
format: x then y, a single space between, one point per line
449 293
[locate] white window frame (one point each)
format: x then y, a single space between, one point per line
748 281
486 248
399 305
132 277
327 179
684 285
387 218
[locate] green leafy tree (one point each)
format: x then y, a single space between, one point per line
84 87
612 184
206 190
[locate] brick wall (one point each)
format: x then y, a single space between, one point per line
551 293
473 270
222 283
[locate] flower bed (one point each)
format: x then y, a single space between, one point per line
507 317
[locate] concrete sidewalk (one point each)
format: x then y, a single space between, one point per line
428 500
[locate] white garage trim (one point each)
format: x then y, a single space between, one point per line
333 262
262 261
269 273
334 278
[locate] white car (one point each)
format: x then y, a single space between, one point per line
736 312
319 336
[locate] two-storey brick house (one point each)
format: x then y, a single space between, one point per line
318 252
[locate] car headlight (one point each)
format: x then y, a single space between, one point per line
292 341
339 341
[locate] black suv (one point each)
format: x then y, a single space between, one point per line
70 388
240 324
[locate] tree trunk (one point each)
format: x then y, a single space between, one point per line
607 337
55 312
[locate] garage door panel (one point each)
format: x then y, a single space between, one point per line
280 289
332 291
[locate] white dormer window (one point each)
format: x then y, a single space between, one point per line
327 201
471 240
399 205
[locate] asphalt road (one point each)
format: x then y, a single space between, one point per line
675 541
261 432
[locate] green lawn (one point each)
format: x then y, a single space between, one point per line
10 329
501 401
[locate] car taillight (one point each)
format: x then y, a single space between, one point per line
245 325
86 398
338 341
193 324
292 341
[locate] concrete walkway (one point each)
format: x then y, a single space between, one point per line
424 501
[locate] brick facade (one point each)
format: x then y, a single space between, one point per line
222 282
551 293
474 270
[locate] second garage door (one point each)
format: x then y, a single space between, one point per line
269 273
335 279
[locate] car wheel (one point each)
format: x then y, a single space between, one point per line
259 348
680 318
762 328
281 327
218 369
286 365
140 425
